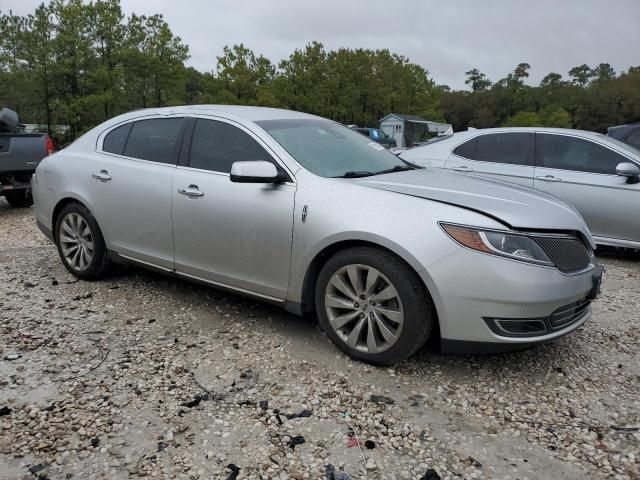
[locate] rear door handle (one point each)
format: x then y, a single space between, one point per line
102 175
548 178
191 191
463 168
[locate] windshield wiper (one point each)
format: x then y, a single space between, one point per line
397 168
355 174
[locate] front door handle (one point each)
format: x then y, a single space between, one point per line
102 175
463 168
191 191
548 178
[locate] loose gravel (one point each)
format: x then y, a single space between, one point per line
142 375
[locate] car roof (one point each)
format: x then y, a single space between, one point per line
253 114
566 131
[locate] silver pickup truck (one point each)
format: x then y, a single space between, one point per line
20 154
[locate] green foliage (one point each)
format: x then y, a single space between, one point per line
79 63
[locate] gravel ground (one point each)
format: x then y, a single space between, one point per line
143 375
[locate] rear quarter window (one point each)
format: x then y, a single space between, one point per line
154 139
116 139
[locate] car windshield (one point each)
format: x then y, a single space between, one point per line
328 149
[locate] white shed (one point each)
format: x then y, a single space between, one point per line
410 129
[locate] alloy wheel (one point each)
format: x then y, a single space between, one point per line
364 308
76 241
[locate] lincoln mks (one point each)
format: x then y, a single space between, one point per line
305 213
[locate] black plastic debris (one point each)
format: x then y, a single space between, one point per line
28 285
370 444
302 414
196 400
54 282
37 470
381 399
430 474
297 440
235 471
162 446
95 441
4 411
264 404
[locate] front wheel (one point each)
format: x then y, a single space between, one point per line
80 242
373 306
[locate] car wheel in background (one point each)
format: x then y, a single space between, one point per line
373 306
19 198
80 242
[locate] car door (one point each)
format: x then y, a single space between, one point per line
506 156
130 188
233 234
583 173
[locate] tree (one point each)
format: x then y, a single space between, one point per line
478 80
581 75
552 81
244 75
523 119
603 71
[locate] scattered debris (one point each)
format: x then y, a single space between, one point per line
95 441
370 444
4 411
196 400
235 471
352 442
264 404
297 440
86 296
331 473
12 356
302 414
430 474
382 399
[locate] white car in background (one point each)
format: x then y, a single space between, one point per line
598 175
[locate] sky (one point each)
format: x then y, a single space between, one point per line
447 37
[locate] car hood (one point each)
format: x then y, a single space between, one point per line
516 206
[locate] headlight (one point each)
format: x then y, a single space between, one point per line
516 246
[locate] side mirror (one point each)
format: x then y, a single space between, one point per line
629 170
258 171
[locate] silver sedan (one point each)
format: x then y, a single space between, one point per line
302 212
597 174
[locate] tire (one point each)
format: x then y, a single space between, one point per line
390 304
75 226
19 198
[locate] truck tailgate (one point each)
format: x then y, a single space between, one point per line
21 152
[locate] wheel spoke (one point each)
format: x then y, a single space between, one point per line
87 256
354 278
338 322
337 302
388 335
86 231
387 293
76 258
372 344
67 239
372 278
67 251
66 226
337 282
89 246
393 315
354 336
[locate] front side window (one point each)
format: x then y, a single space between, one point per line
571 153
154 139
217 145
116 139
328 149
634 138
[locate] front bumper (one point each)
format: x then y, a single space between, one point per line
471 290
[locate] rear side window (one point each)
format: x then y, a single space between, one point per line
571 153
116 139
467 149
217 145
154 139
509 148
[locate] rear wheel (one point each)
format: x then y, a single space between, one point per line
80 242
19 198
373 306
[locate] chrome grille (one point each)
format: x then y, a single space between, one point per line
568 254
569 313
